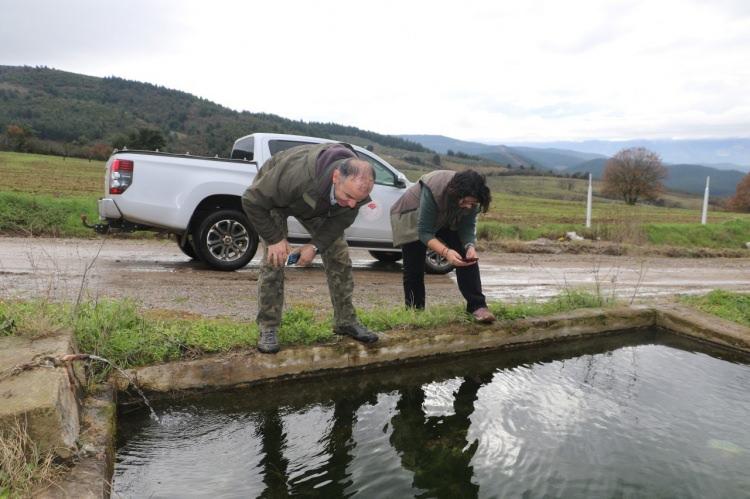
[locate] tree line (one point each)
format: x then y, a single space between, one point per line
63 111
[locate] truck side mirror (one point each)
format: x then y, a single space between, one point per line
400 182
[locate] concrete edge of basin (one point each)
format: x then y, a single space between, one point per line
237 369
701 326
91 472
394 347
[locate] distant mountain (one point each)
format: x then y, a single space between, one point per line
550 158
595 167
442 144
556 159
681 178
508 156
68 112
718 153
727 166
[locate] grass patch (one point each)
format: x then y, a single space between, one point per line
730 234
23 467
129 336
50 175
725 304
45 195
45 215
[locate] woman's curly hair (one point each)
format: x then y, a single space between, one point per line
469 183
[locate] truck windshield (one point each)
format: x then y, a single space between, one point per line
276 146
244 149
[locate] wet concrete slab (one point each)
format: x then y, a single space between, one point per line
397 347
44 397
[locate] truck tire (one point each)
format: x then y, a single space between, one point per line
386 256
187 248
225 240
436 264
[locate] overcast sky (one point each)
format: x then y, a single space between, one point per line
492 71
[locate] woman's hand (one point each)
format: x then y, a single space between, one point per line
454 257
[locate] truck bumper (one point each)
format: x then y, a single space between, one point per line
108 209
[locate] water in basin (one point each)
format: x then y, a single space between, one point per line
643 414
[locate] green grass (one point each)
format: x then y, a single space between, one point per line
45 215
725 304
732 234
729 234
45 195
50 175
129 336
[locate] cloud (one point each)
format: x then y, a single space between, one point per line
39 32
500 70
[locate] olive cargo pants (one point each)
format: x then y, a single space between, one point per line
338 267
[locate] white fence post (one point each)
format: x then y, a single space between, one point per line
704 215
588 206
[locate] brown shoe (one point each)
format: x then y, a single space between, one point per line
483 315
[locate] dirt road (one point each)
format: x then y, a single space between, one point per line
160 276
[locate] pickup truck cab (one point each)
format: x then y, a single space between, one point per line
198 199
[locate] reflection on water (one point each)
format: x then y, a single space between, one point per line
643 414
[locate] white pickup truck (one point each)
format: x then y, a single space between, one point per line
198 199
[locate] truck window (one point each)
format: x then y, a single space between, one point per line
276 146
244 149
383 176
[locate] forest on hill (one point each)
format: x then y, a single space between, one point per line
58 112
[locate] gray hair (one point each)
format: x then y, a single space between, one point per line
357 168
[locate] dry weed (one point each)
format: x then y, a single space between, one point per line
23 467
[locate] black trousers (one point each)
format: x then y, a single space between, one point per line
469 282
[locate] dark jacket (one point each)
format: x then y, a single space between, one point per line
295 183
409 222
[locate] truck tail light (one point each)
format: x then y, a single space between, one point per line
121 176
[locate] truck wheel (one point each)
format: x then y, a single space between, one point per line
187 248
436 264
386 256
225 240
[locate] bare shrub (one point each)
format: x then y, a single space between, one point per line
634 174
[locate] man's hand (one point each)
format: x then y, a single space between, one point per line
278 253
471 253
306 255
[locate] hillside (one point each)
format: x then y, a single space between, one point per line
681 178
542 158
731 154
68 112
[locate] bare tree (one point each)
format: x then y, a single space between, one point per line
741 199
633 174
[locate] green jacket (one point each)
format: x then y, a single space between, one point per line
289 183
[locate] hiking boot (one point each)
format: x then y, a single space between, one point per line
483 315
358 332
268 342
